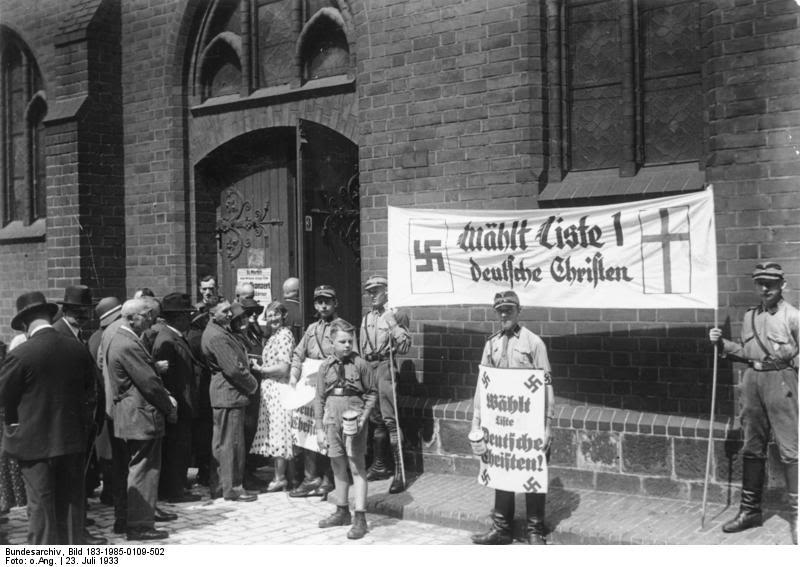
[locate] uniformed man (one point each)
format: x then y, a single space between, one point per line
769 346
384 331
514 346
315 343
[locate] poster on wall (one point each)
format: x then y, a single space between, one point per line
512 419
261 279
656 253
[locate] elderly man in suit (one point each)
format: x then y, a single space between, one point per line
172 348
45 385
76 314
140 405
231 385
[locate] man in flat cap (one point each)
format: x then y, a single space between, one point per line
44 384
769 347
384 333
315 343
107 310
514 346
232 384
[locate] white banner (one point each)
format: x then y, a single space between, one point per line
659 253
303 427
512 419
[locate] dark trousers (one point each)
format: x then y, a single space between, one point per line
251 426
144 468
119 473
534 504
202 432
383 414
175 456
227 451
56 499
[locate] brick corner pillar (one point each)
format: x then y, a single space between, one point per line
85 193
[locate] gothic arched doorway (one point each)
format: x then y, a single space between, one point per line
282 202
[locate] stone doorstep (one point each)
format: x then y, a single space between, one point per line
574 516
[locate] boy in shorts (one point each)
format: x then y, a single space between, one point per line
346 383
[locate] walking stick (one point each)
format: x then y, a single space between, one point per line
710 427
397 417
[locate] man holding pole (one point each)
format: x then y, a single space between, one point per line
384 333
514 346
769 346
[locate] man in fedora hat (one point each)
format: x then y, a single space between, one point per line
384 333
45 385
769 347
141 404
76 314
76 311
231 386
171 347
514 346
107 311
316 343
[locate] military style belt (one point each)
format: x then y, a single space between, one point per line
767 365
343 392
376 357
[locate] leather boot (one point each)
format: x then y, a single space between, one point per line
534 525
359 528
397 482
749 515
790 470
379 469
498 534
341 517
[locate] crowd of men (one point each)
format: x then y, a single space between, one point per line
158 387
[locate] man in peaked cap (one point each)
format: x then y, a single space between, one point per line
315 343
384 332
44 385
171 346
769 347
514 346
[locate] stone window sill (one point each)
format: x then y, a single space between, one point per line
15 232
274 95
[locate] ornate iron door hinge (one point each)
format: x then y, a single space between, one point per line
239 224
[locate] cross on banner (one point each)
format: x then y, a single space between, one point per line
672 244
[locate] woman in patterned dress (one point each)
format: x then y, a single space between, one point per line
12 487
274 434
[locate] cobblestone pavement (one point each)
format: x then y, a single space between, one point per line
273 519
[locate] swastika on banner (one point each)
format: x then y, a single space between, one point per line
485 478
532 485
429 256
485 380
533 383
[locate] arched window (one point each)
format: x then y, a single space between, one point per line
324 49
22 152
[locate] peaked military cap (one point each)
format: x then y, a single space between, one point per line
768 271
505 298
324 291
376 281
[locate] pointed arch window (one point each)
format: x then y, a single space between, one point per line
23 107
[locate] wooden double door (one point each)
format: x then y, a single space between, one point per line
287 205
